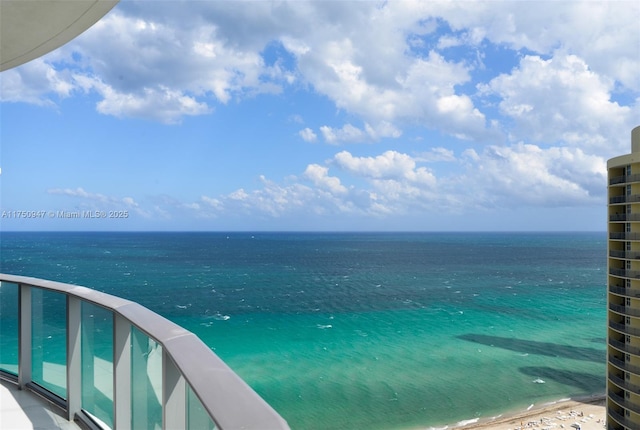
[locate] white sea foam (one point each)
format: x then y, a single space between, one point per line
467 422
324 326
218 316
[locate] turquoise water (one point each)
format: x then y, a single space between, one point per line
366 330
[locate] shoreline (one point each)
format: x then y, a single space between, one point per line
589 412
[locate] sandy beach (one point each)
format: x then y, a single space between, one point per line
568 414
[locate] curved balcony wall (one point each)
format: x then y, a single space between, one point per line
626 385
624 273
627 404
625 310
620 419
112 363
627 292
625 329
622 365
621 346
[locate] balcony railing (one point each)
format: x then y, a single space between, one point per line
621 401
629 255
621 346
621 364
624 273
110 362
624 217
624 179
622 328
625 310
621 235
628 292
626 385
621 420
633 198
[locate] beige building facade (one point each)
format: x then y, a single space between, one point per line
623 289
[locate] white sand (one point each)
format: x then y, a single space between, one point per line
590 414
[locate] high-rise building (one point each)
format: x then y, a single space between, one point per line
623 283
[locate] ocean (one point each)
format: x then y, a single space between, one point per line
363 330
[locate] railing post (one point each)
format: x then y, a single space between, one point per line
74 357
121 373
24 335
174 395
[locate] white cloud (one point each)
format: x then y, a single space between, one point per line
308 135
437 154
33 81
100 201
389 165
319 175
525 174
348 133
351 134
81 193
212 202
160 104
562 100
373 61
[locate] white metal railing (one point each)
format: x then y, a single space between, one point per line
188 366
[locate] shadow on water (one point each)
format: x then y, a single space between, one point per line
540 348
584 381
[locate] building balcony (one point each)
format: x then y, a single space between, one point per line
625 310
107 362
625 403
629 255
626 385
624 179
620 419
624 235
624 217
622 328
623 365
627 292
633 198
624 273
624 347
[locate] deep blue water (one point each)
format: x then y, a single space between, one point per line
363 330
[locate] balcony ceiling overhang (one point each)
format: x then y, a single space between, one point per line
32 28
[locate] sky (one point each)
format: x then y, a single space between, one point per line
324 116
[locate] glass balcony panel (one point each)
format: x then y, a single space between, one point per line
197 416
9 327
97 362
49 340
146 382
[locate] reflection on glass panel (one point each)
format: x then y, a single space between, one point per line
9 327
97 362
49 340
197 416
146 382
